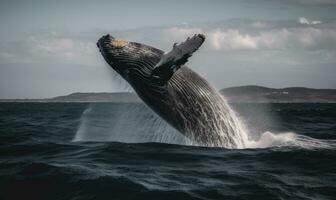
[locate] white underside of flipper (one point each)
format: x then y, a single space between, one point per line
174 59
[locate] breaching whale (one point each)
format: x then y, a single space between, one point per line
175 92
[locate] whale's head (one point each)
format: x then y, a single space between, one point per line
133 61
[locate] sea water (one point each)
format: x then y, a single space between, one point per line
124 151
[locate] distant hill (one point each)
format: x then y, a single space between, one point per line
284 95
125 97
251 94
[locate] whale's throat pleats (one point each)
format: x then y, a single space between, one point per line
206 117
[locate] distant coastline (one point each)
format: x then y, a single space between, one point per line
242 94
259 94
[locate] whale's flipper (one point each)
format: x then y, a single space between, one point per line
174 59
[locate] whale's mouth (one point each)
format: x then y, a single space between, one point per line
103 45
110 47
127 57
104 40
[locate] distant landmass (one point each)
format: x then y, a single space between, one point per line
260 94
242 94
125 97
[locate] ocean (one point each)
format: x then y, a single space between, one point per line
124 151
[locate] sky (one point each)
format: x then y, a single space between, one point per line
47 48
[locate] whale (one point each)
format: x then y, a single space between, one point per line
179 95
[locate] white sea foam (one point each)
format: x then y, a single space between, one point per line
269 139
289 139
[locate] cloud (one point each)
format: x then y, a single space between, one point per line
228 35
217 39
61 47
231 39
180 33
258 24
309 38
48 48
314 2
303 20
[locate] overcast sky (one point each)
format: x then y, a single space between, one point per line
47 48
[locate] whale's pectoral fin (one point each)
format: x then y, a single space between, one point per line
178 56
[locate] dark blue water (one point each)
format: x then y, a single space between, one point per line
66 151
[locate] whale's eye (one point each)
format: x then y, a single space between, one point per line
119 43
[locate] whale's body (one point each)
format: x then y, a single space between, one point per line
183 98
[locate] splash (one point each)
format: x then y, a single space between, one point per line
289 139
129 123
269 139
135 123
226 124
235 126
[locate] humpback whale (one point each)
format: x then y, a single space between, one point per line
175 92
